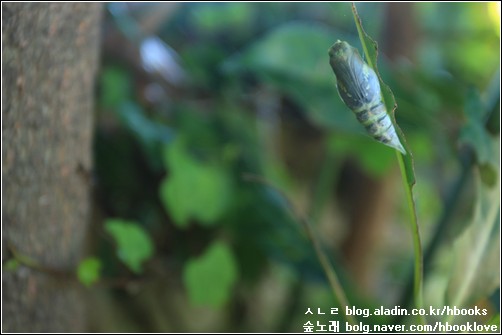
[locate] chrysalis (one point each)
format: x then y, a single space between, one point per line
359 89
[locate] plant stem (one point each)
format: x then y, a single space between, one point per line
333 280
37 266
417 244
442 226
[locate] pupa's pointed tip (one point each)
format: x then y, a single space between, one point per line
400 148
396 144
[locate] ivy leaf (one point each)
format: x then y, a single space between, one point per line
193 189
209 278
134 246
88 271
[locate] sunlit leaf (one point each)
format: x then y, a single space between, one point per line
210 278
193 189
88 271
134 246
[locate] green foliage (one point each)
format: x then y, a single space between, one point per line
134 246
211 18
475 273
11 265
260 99
287 59
193 189
148 131
475 133
89 271
495 320
210 278
115 84
365 150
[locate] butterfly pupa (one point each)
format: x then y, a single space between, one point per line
359 89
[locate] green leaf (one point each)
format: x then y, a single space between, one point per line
134 246
209 278
224 17
193 189
11 265
495 320
147 130
374 158
474 132
88 271
115 85
292 49
287 59
475 272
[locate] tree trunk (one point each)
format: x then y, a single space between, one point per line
50 56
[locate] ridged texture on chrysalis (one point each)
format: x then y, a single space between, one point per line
359 89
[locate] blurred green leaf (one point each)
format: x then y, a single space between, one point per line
293 49
193 189
475 133
209 278
222 17
475 271
493 105
11 265
291 59
134 246
88 271
147 130
115 85
375 159
488 174
151 134
495 320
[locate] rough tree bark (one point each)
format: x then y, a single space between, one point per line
50 56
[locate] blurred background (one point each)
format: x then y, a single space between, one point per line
211 118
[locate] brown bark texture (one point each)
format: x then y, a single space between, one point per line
50 57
